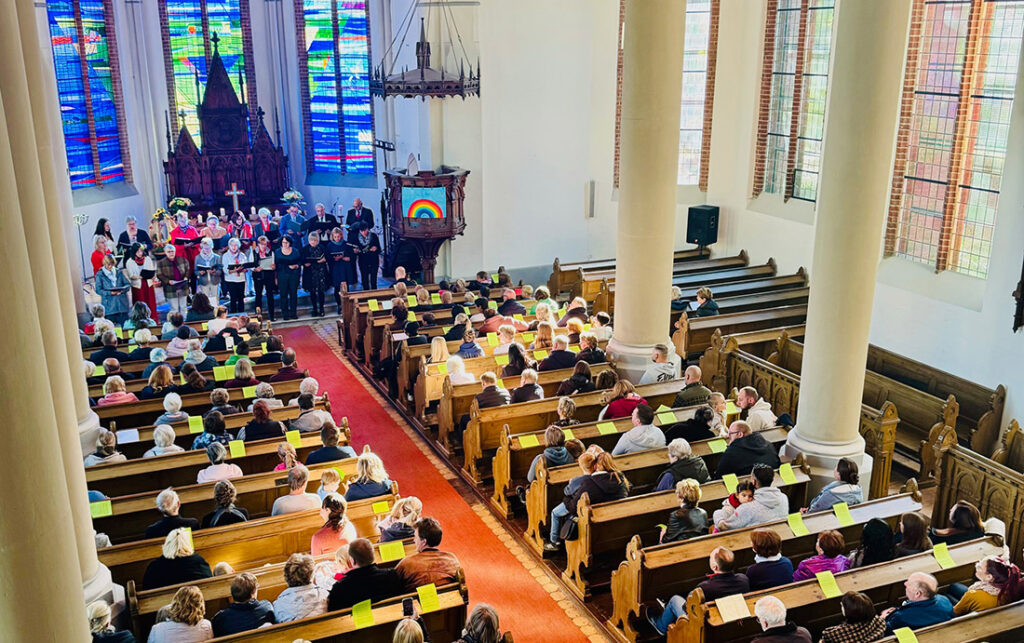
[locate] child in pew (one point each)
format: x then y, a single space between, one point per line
555 455
330 480
328 572
744 493
401 522
288 456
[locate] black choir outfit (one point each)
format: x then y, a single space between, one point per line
367 249
288 280
314 276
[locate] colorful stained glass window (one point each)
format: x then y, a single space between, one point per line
85 87
334 62
964 83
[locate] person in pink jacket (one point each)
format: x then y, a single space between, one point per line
829 559
115 392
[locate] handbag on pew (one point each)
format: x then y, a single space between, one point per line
570 529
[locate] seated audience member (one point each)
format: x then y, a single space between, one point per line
274 353
329 571
102 630
330 436
606 380
115 392
330 480
643 436
964 524
876 544
481 304
601 325
338 530
913 537
220 401
429 564
195 382
310 419
682 465
694 429
509 306
308 385
770 567
106 450
438 351
160 384
226 513
109 339
554 455
457 371
689 520
707 306
201 310
98 312
408 630
694 392
256 333
139 318
620 401
219 468
663 369
579 382
172 410
261 426
179 562
844 488
924 605
459 327
302 598
163 441
574 327
723 581
214 430
401 522
169 504
606 483
179 344
143 339
577 309
265 392
506 335
244 375
544 325
829 558
718 404
771 615
371 478
587 462
860 623
197 357
746 448
245 612
566 412
481 626
241 352
560 357
186 619
297 498
754 410
113 367
590 352
677 302
744 493
289 368
528 388
412 330
517 361
175 321
769 502
543 297
469 348
491 395
365 580
999 583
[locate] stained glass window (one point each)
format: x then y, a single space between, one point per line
948 175
334 64
87 87
190 25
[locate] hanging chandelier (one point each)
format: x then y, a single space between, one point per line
424 81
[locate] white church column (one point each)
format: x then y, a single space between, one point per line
863 106
651 88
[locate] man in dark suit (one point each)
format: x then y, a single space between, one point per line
321 222
359 214
364 581
491 395
560 357
109 350
509 306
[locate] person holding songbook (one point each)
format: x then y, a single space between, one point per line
314 274
185 239
215 232
112 286
288 261
236 263
264 226
130 237
208 270
291 225
264 277
321 222
339 258
367 246
173 272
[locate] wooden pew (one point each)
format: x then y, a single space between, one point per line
588 282
349 306
127 344
806 603
694 335
656 571
263 372
137 367
244 545
999 625
564 275
483 433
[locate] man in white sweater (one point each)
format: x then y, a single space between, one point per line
643 436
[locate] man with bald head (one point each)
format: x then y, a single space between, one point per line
923 607
694 393
723 581
359 214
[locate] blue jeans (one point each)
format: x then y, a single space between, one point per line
558 514
676 607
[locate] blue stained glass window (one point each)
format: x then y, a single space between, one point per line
89 112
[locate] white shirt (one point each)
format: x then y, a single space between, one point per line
291 504
228 260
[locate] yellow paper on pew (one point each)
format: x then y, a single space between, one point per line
528 441
574 348
667 418
411 300
442 368
237 448
492 339
905 635
221 373
195 424
796 524
731 481
493 305
293 438
191 543
362 614
445 329
428 598
732 608
662 408
263 347
181 376
731 408
249 391
101 370
381 507
100 509
717 446
206 326
786 473
501 360
941 553
842 511
373 305
518 316
435 298
541 354
828 584
527 337
494 277
411 316
390 551
568 434
118 332
586 326
606 428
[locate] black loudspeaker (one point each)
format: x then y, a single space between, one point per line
702 225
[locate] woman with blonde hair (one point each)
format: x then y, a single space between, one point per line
179 562
400 523
401 290
689 521
459 328
244 375
457 371
371 478
115 392
422 297
620 401
161 382
338 530
98 613
438 351
163 442
187 619
566 412
288 455
545 337
106 449
408 630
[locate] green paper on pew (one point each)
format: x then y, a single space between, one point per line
731 481
574 348
393 550
494 277
662 408
100 509
492 339
445 329
442 368
786 473
731 408
568 434
501 360
362 614
606 428
373 305
237 448
732 608
905 635
518 316
796 524
195 424
527 337
381 507
428 598
541 354
206 326
528 441
181 376
435 298
842 511
293 438
667 418
499 383
411 299
221 373
101 370
191 543
828 584
941 553
263 347
118 332
249 391
493 305
717 446
411 316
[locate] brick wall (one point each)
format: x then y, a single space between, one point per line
115 77
709 97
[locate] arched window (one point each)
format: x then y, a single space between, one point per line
959 82
334 80
89 91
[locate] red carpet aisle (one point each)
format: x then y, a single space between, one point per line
498 570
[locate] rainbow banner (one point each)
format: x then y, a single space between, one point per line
423 203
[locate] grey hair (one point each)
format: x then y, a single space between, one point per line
172 403
770 610
163 435
169 246
216 452
168 501
679 448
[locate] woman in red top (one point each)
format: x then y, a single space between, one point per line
621 401
184 231
99 245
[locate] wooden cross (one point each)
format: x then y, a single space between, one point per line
234 193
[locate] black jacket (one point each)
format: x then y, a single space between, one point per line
455 333
106 352
122 636
575 384
361 583
171 571
365 215
242 617
600 487
141 236
592 356
686 522
691 467
492 396
167 524
260 430
511 307
690 430
268 358
788 633
708 309
527 393
719 585
231 516
558 359
578 313
741 456
140 354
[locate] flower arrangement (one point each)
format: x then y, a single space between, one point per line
160 225
293 197
179 203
